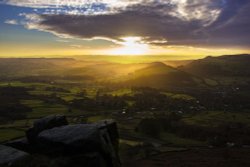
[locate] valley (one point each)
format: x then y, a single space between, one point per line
159 108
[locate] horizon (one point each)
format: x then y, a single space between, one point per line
125 59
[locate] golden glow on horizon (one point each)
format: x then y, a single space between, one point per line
131 46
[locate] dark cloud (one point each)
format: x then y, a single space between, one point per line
230 8
157 22
232 28
129 23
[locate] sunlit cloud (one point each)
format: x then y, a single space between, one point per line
206 10
62 40
12 22
76 46
67 3
76 7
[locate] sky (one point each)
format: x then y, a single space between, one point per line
186 29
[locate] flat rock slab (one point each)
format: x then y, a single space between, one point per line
69 134
50 122
12 157
71 137
43 124
80 139
20 144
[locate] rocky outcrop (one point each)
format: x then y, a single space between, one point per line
111 127
76 145
21 144
43 124
79 139
12 157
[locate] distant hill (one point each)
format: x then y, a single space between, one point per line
204 72
31 66
160 75
63 67
177 63
223 66
156 74
155 68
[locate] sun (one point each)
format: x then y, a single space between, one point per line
130 46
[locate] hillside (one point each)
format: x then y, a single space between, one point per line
223 66
177 63
207 71
155 74
32 66
159 75
63 67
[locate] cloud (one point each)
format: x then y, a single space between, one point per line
62 40
157 22
13 22
233 28
76 46
205 10
74 6
186 9
147 24
70 3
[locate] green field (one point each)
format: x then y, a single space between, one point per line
10 133
216 118
178 141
